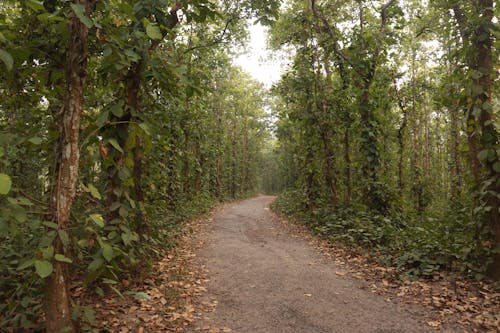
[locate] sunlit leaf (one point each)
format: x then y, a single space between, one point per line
5 183
43 268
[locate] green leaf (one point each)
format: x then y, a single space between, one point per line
96 264
24 201
94 192
138 295
35 140
107 252
115 145
97 218
80 13
145 127
62 258
19 214
99 291
7 59
496 167
48 252
50 224
109 281
63 235
43 268
26 264
483 154
83 243
35 5
114 206
117 110
103 118
153 31
5 183
132 55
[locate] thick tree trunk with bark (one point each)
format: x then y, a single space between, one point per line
56 297
483 44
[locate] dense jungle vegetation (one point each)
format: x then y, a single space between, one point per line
121 119
387 130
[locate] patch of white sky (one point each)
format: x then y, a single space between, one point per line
261 63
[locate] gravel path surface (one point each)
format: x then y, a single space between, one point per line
267 281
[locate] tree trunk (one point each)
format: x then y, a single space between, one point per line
401 143
369 137
218 176
329 166
347 160
456 182
483 43
56 296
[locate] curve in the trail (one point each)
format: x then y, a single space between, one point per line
267 281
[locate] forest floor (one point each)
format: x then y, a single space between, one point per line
242 269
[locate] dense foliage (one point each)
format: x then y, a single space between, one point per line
388 129
118 119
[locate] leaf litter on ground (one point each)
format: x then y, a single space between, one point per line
453 299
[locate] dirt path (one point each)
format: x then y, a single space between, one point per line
267 281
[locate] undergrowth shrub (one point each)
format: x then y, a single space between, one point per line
415 245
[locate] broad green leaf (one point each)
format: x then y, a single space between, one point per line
115 145
153 31
83 243
117 110
35 140
19 214
48 252
133 56
96 264
5 183
107 252
35 5
496 167
7 59
483 154
26 264
62 258
97 218
114 206
24 201
103 118
43 268
50 224
94 192
80 13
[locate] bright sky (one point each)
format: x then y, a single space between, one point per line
257 60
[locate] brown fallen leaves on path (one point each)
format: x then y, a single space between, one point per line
166 300
475 305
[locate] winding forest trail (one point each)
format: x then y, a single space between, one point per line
265 280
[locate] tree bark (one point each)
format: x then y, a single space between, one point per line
56 297
483 44
456 183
